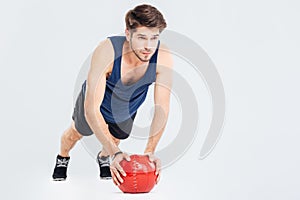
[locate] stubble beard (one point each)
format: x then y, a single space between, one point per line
136 54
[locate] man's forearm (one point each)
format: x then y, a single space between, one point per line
156 130
100 129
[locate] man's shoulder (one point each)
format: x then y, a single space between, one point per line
104 51
105 45
164 57
103 56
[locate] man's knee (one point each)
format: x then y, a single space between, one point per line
72 134
116 140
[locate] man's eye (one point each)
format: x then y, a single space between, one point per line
143 38
154 38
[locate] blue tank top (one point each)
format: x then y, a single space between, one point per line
121 101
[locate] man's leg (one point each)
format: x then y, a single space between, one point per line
104 161
118 131
68 140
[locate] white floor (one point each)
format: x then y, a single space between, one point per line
223 175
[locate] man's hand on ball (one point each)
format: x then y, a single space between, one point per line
116 169
157 163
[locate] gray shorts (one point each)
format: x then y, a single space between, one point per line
118 130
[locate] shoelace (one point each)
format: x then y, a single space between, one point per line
62 162
104 161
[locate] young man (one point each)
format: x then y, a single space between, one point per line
122 68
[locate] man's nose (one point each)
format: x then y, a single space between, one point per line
147 48
148 45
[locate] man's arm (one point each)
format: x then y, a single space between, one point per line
102 58
162 92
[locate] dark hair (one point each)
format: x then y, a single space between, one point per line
145 15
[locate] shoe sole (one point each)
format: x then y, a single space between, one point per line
59 179
105 178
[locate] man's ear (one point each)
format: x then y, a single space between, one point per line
127 33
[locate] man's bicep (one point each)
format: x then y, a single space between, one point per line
162 91
94 93
96 81
164 78
163 86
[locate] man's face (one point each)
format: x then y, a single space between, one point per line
143 42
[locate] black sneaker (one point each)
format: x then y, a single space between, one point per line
104 164
60 170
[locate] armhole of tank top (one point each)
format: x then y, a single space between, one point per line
113 45
155 61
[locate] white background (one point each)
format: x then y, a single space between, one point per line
254 45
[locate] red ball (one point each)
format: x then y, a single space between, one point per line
140 174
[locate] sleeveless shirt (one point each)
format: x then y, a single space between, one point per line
121 101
